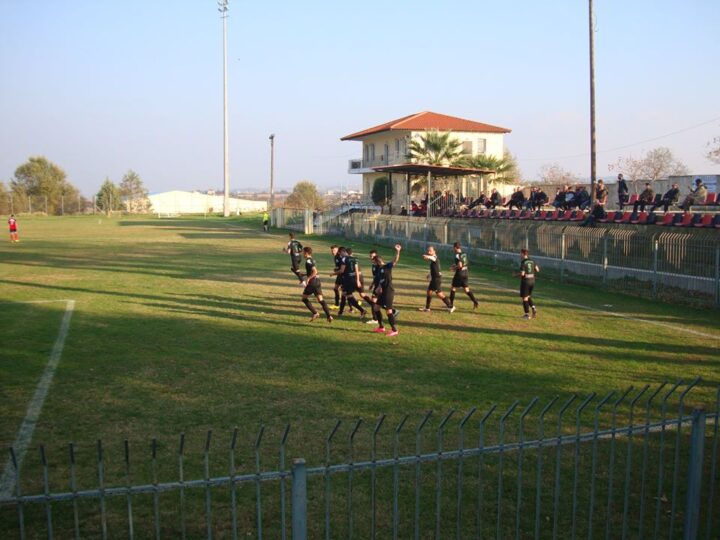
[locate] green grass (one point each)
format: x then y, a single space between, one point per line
186 325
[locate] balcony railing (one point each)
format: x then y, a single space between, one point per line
393 158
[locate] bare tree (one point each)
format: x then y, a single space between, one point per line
657 163
714 150
553 173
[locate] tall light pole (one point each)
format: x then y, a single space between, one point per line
272 171
592 103
223 9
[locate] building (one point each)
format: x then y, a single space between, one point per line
187 202
387 144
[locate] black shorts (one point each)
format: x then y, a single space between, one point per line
526 287
435 284
386 298
338 281
314 287
349 285
295 262
460 279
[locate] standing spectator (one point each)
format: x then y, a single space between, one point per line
671 197
623 191
598 211
646 197
696 196
12 222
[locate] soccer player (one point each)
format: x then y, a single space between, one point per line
335 251
460 279
528 269
313 287
385 293
350 281
369 298
12 222
435 285
295 249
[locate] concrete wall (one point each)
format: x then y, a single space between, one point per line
186 202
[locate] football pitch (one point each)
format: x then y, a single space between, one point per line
163 326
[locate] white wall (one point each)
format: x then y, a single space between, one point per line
186 202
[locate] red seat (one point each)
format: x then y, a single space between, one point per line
552 216
633 198
641 219
566 216
541 215
667 219
610 217
625 218
527 215
711 198
706 221
685 221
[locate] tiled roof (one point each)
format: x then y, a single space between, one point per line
427 120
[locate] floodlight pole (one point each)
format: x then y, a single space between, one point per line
223 9
593 170
272 171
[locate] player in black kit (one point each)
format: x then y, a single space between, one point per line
350 281
460 279
435 285
295 248
368 296
385 292
313 287
335 251
528 269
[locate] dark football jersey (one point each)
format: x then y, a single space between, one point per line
338 262
309 266
528 267
295 248
461 258
385 276
434 267
350 264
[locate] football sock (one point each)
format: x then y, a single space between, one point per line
325 307
452 297
447 302
427 302
337 297
306 301
378 318
342 305
471 296
354 303
526 306
391 320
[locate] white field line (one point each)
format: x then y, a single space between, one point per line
12 302
619 315
25 433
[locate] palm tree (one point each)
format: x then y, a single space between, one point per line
505 168
435 148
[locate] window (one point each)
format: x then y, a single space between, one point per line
467 147
385 156
481 146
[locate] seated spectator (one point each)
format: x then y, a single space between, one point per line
403 211
569 203
516 199
494 200
646 197
671 197
696 196
598 211
480 200
529 202
541 199
414 208
559 199
582 198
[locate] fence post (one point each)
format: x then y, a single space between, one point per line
562 255
655 267
695 471
605 259
495 248
445 233
717 275
299 500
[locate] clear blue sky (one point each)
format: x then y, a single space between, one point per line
105 86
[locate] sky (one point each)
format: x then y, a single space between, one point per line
103 87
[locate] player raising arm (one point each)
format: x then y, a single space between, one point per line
385 292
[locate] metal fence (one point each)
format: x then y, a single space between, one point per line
636 463
650 261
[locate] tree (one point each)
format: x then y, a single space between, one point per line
4 200
41 178
505 168
714 150
657 163
553 173
305 195
381 191
108 198
134 193
435 148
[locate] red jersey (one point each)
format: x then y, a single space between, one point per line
13 224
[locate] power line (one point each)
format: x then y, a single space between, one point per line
628 145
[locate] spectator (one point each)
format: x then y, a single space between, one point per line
646 197
482 199
696 196
403 211
623 191
541 199
530 202
598 211
582 198
516 199
569 201
494 200
414 208
559 198
671 197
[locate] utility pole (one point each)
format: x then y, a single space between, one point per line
223 9
272 171
593 171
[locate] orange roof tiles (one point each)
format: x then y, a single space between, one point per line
427 120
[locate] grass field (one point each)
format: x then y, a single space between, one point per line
188 324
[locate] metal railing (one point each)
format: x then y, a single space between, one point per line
649 261
619 465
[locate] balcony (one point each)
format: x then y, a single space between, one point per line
360 166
